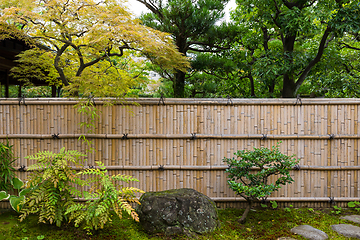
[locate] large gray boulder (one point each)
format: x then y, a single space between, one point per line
177 211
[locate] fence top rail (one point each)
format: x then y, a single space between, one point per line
184 101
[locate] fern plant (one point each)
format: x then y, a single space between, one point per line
51 185
103 197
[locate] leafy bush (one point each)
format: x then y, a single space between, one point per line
7 171
249 172
104 196
52 189
49 185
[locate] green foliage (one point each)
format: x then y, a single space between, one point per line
274 204
287 209
35 64
265 162
285 46
355 205
86 46
88 109
337 210
103 197
193 26
50 191
6 169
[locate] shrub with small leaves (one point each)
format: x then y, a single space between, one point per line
249 172
50 190
104 196
7 171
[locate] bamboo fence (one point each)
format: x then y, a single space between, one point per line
181 143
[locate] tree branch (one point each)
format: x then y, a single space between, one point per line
152 7
350 47
323 44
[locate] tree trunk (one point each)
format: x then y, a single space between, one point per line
179 84
289 86
247 210
252 86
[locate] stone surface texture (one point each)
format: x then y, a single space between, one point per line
353 218
309 232
177 211
347 230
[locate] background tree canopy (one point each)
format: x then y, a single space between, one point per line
87 43
271 48
192 24
296 47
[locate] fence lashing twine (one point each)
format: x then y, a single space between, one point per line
193 136
332 200
91 99
264 137
298 100
331 136
161 168
22 99
55 136
22 168
229 101
297 167
125 136
161 99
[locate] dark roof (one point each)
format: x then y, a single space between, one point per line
9 49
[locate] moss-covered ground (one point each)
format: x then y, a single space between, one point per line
260 224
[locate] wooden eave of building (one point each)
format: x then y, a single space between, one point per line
9 49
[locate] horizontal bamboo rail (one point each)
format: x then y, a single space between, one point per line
277 199
290 199
214 168
179 136
182 101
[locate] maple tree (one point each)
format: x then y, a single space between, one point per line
88 43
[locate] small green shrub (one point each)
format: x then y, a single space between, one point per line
7 171
50 191
254 186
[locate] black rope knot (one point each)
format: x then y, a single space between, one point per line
22 99
193 136
297 167
91 99
125 136
161 168
264 137
55 136
229 101
298 100
332 200
161 99
22 168
331 136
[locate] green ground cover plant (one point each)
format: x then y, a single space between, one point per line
262 223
